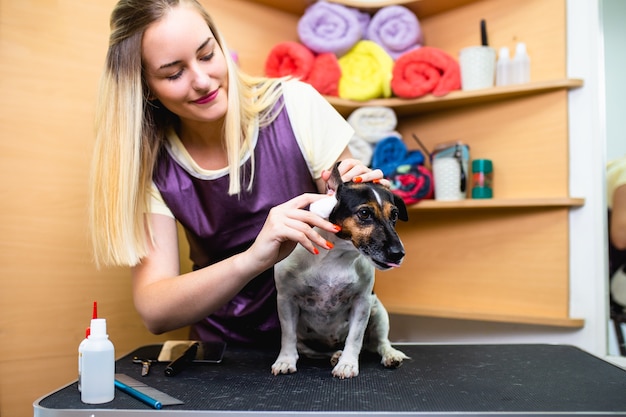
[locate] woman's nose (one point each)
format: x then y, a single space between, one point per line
201 79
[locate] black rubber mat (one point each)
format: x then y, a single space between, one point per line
438 379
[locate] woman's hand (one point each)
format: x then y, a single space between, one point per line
354 170
287 225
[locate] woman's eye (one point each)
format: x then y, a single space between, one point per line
207 57
175 76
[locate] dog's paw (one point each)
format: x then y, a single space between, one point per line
345 370
334 360
284 365
392 358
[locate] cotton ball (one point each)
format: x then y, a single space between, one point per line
324 206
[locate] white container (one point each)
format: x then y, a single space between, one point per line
521 64
446 176
450 163
81 348
504 67
98 366
478 66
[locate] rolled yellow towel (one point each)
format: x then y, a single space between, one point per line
366 72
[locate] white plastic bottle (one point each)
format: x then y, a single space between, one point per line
81 348
521 64
98 366
504 67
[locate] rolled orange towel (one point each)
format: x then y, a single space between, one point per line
423 71
289 58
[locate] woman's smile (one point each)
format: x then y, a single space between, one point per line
207 98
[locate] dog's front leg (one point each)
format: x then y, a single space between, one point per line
348 365
378 331
288 313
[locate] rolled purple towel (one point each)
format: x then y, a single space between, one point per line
329 27
396 29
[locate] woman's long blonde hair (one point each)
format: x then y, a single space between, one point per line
130 131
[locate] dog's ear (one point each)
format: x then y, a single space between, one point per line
334 182
402 212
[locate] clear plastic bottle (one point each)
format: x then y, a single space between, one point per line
98 366
504 67
521 64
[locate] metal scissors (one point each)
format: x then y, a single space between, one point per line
145 364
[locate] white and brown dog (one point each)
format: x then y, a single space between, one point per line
325 302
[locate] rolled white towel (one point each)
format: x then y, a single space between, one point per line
361 149
374 123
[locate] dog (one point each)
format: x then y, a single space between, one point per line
326 303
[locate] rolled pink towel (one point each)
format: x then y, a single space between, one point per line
423 71
329 27
325 74
396 29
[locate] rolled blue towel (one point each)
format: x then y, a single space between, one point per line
391 152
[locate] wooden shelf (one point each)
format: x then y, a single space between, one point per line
422 8
489 203
575 323
457 98
493 260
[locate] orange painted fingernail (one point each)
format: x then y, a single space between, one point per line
337 227
376 181
329 245
315 251
357 180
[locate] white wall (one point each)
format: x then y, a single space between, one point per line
613 14
587 224
613 18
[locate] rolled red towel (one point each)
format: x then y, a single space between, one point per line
423 71
325 74
289 58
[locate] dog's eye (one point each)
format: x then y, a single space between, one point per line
394 216
364 214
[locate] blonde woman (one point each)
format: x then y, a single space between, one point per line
183 135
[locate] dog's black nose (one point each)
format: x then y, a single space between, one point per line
396 254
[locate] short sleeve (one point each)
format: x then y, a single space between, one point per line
322 133
615 177
157 204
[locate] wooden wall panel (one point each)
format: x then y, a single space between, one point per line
538 23
525 138
51 55
499 265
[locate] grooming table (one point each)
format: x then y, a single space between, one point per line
490 380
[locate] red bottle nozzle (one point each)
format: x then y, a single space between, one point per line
95 310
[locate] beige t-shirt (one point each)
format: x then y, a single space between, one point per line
615 177
321 132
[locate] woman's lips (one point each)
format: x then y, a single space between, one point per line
209 97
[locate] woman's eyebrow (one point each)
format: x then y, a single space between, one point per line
173 63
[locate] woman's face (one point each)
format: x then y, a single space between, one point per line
184 66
